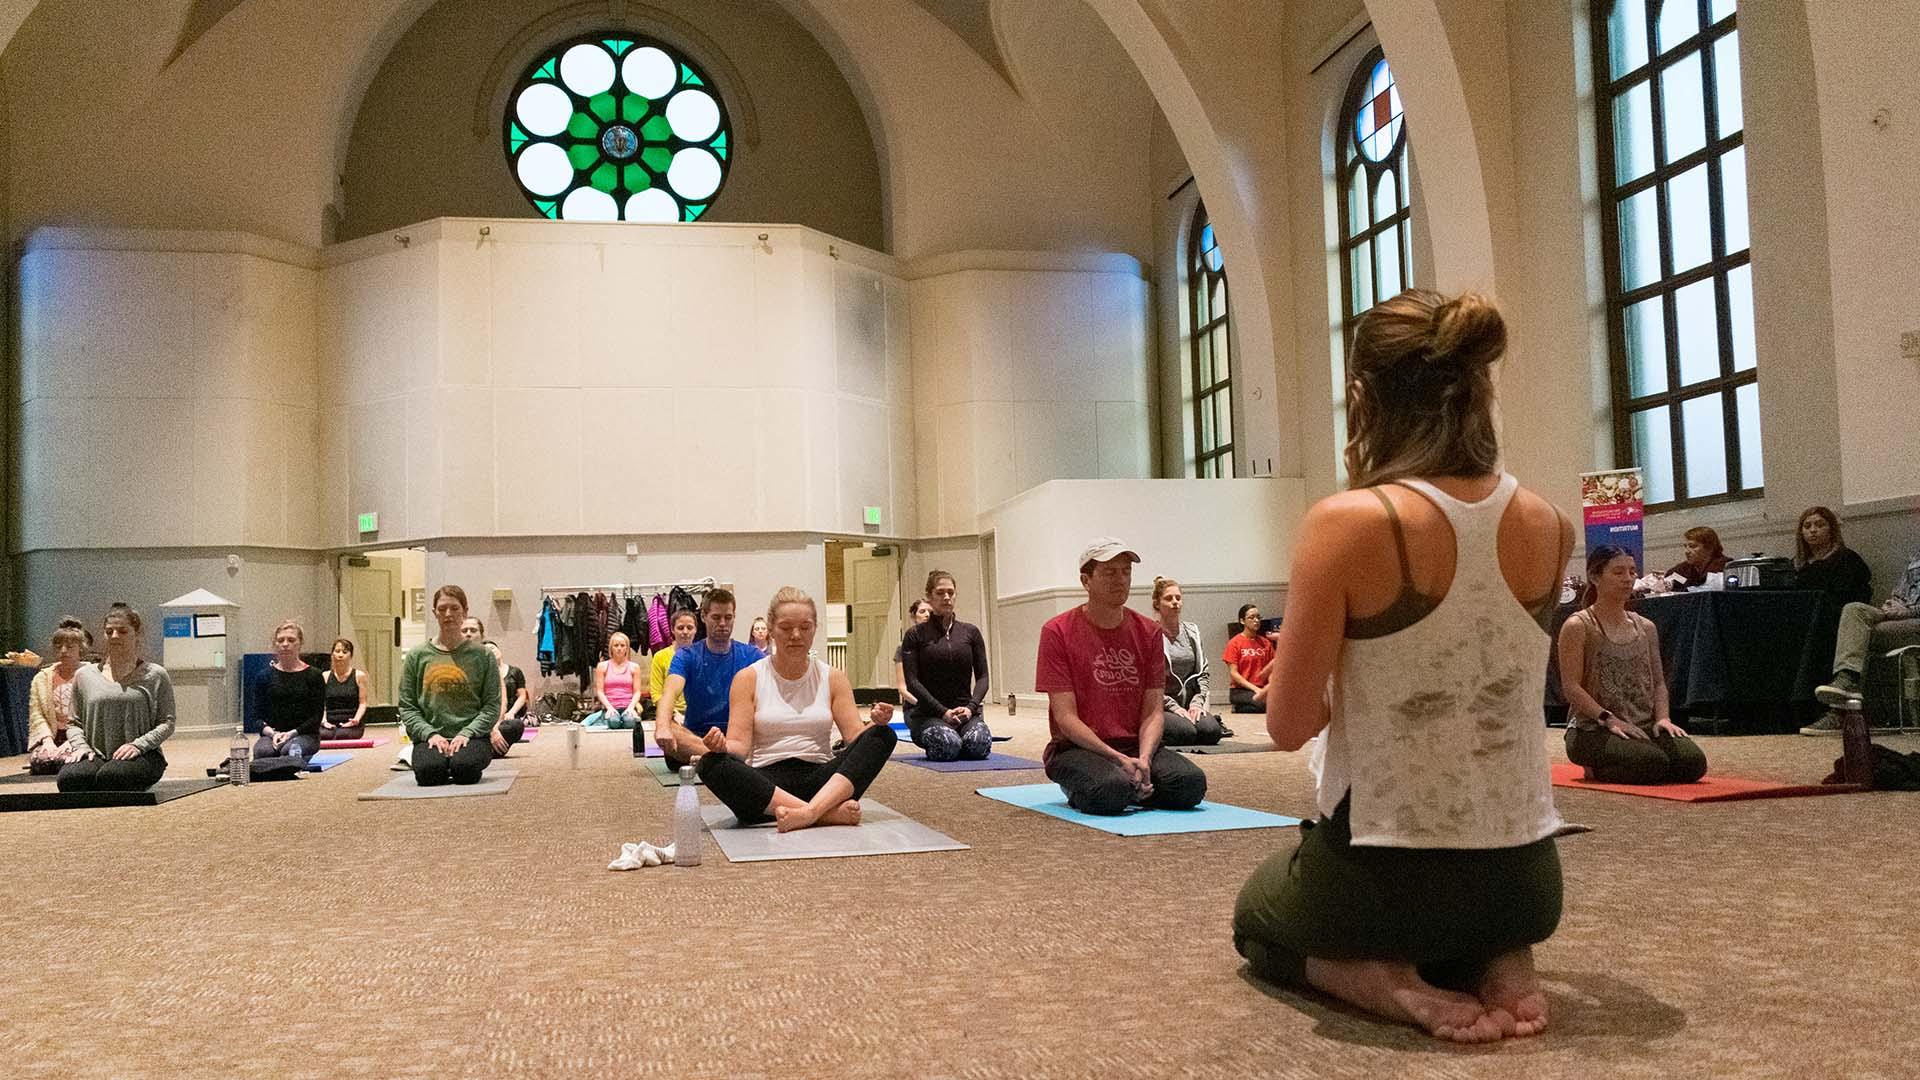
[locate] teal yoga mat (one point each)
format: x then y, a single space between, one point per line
1138 821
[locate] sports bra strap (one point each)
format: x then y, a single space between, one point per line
1399 538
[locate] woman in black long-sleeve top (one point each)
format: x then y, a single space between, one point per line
296 700
1823 561
946 667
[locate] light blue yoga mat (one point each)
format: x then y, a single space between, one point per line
1138 821
327 759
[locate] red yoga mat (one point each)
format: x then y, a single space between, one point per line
349 744
1706 789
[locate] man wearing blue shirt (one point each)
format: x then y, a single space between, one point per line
702 674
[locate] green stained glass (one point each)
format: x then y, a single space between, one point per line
613 155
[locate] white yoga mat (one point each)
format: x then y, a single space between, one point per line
882 831
403 786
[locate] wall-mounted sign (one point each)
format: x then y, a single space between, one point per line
370 522
177 626
209 626
873 515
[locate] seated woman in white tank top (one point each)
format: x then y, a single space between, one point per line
775 758
1415 639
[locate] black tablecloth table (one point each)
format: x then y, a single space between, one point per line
15 682
1745 654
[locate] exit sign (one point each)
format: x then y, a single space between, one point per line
370 522
873 515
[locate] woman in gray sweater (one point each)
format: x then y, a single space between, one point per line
1186 720
123 711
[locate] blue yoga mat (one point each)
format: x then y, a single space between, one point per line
992 763
327 759
900 728
1138 821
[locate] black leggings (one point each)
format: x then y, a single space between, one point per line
511 730
431 768
748 791
105 774
349 733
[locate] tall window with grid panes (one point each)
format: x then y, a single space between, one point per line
1376 216
1209 330
1679 287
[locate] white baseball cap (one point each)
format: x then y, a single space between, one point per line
1102 548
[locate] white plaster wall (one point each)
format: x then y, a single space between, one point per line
551 379
1026 369
166 392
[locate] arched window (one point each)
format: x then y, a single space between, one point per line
1376 242
1208 332
617 127
1673 160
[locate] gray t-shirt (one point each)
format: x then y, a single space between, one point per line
110 715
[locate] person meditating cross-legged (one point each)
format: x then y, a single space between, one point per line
697 696
1424 594
1184 716
51 723
123 710
295 696
449 698
773 758
1103 669
1616 693
946 669
346 696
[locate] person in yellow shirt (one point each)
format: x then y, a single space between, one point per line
685 625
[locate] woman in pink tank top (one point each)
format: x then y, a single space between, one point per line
614 683
1414 650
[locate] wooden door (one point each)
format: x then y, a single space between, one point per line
371 598
873 595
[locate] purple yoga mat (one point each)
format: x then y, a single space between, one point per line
993 763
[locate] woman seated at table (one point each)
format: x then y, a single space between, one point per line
773 759
346 696
123 710
1704 556
615 685
50 746
1823 561
1616 694
295 698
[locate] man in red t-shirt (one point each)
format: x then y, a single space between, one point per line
1104 672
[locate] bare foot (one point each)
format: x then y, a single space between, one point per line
847 813
1395 991
1510 986
789 818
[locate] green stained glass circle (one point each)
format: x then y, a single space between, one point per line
617 127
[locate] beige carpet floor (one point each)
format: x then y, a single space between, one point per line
289 930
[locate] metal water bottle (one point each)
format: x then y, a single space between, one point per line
686 820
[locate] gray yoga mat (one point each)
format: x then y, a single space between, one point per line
45 796
1227 747
882 831
403 786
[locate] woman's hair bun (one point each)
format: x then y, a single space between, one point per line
1468 332
71 623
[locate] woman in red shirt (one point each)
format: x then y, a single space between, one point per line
1249 657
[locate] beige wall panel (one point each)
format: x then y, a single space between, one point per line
466 427
1054 440
540 303
542 460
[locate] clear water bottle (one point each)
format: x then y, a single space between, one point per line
239 757
686 820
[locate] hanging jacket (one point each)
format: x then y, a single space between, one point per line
583 655
565 647
543 641
678 600
633 623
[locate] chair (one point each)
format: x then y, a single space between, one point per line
1890 687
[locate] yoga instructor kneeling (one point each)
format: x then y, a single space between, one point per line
449 698
773 759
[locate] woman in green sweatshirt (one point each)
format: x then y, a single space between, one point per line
449 698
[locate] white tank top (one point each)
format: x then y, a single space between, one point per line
792 718
1437 731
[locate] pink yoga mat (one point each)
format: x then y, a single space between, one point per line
1706 789
350 744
